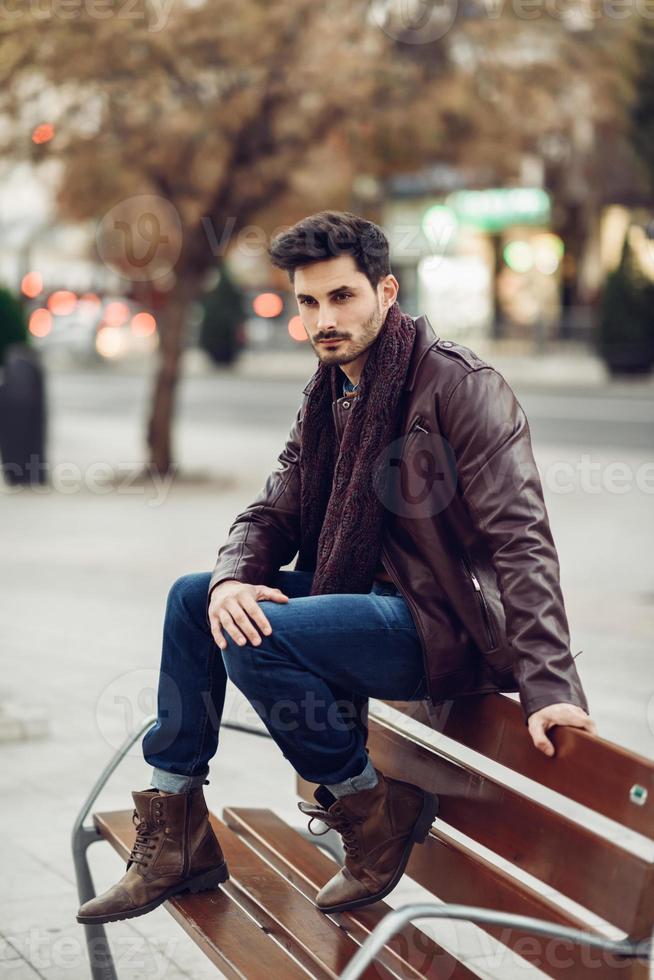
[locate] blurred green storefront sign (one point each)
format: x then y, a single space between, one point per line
494 209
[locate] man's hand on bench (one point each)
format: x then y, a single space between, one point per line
557 714
234 608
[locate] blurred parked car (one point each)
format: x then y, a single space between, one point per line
91 327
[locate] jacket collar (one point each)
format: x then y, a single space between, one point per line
425 339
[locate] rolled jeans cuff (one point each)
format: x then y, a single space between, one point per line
172 782
364 780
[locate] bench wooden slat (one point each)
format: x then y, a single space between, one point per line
458 875
309 868
455 874
231 940
587 769
264 921
228 937
597 873
294 919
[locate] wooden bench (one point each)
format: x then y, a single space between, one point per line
568 849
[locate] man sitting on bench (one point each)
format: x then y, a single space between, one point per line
425 569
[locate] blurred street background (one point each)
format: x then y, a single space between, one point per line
151 360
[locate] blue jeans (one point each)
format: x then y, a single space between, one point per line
309 680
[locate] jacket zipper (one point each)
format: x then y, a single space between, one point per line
490 632
412 606
416 427
412 433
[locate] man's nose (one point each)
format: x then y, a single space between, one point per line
326 319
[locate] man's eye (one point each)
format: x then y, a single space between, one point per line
339 297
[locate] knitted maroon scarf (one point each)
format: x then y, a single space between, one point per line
341 514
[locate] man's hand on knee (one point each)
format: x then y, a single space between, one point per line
234 609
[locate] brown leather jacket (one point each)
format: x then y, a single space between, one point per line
467 539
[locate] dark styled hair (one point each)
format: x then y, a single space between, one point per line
328 235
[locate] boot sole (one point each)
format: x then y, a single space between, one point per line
207 881
419 835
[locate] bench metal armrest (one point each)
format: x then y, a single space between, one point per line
396 920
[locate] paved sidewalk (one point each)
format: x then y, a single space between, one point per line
84 579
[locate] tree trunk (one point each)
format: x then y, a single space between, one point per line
497 326
171 338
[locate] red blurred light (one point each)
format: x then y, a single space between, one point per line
268 305
31 284
90 298
143 324
62 302
40 322
43 133
116 314
296 329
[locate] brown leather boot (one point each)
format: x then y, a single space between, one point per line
175 851
379 827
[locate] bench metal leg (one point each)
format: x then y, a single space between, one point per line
100 957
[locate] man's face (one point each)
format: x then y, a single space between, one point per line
338 304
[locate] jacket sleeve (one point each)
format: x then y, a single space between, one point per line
501 487
266 535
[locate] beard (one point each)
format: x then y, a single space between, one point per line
350 350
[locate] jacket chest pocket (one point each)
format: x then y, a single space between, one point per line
420 471
417 427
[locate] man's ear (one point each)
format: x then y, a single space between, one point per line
389 289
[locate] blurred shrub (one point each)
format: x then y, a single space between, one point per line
224 313
13 327
625 331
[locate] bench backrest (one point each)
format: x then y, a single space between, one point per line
576 829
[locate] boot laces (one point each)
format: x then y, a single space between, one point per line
146 836
343 823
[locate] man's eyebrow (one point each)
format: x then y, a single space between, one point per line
332 292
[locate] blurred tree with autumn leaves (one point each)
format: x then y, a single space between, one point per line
179 123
